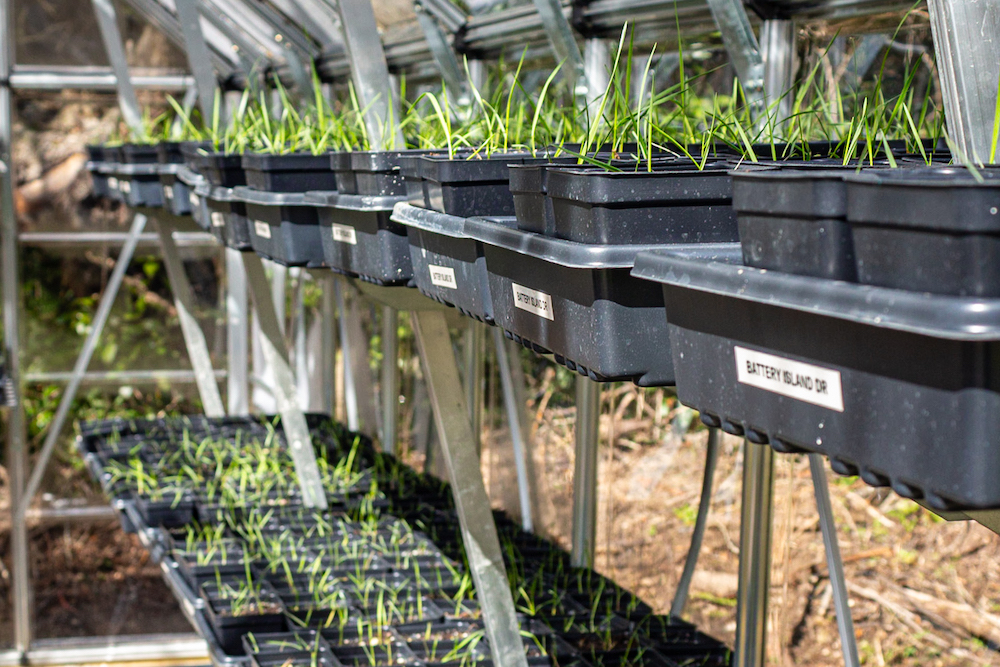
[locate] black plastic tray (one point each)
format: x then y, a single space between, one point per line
448 265
927 229
677 204
469 187
176 193
577 301
227 217
139 184
223 169
372 173
100 175
283 226
891 385
358 237
295 172
795 220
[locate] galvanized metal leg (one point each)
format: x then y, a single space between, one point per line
596 68
350 390
292 418
474 352
588 416
755 555
684 585
845 624
194 338
83 360
127 101
516 436
328 358
361 371
968 58
237 352
742 47
390 378
473 506
299 344
777 40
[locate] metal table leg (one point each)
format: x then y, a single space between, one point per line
292 418
755 555
684 585
514 424
390 377
474 349
350 389
478 529
194 338
328 360
237 351
588 415
845 624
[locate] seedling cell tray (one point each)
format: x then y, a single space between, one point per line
577 301
295 172
283 227
372 173
467 187
227 216
229 629
359 238
927 229
874 378
675 204
222 169
139 184
448 265
795 220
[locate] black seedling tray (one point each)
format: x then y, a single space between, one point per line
139 154
372 173
469 186
874 378
675 204
927 229
222 169
176 192
100 175
576 301
448 265
359 238
283 227
528 186
295 172
227 216
229 630
167 513
795 220
139 184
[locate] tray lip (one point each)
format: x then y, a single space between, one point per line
249 195
428 220
335 200
569 254
959 318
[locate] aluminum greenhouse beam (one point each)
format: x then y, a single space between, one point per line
127 101
442 52
742 46
189 14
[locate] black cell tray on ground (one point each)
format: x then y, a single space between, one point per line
927 229
226 215
283 226
448 265
359 238
675 203
577 301
890 384
294 172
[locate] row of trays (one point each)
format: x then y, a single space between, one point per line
842 310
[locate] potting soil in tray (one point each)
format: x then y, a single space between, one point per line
577 301
871 377
295 172
380 556
283 226
359 238
927 229
448 265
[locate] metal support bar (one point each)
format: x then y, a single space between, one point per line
390 377
597 70
293 420
300 336
588 421
479 531
199 60
127 100
755 555
741 45
83 361
474 350
845 624
118 377
684 585
194 338
778 51
514 424
370 73
350 390
563 43
237 341
967 46
328 359
441 51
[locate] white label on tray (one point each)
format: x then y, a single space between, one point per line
803 382
344 234
113 183
262 229
443 276
219 220
533 301
125 186
168 192
193 199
